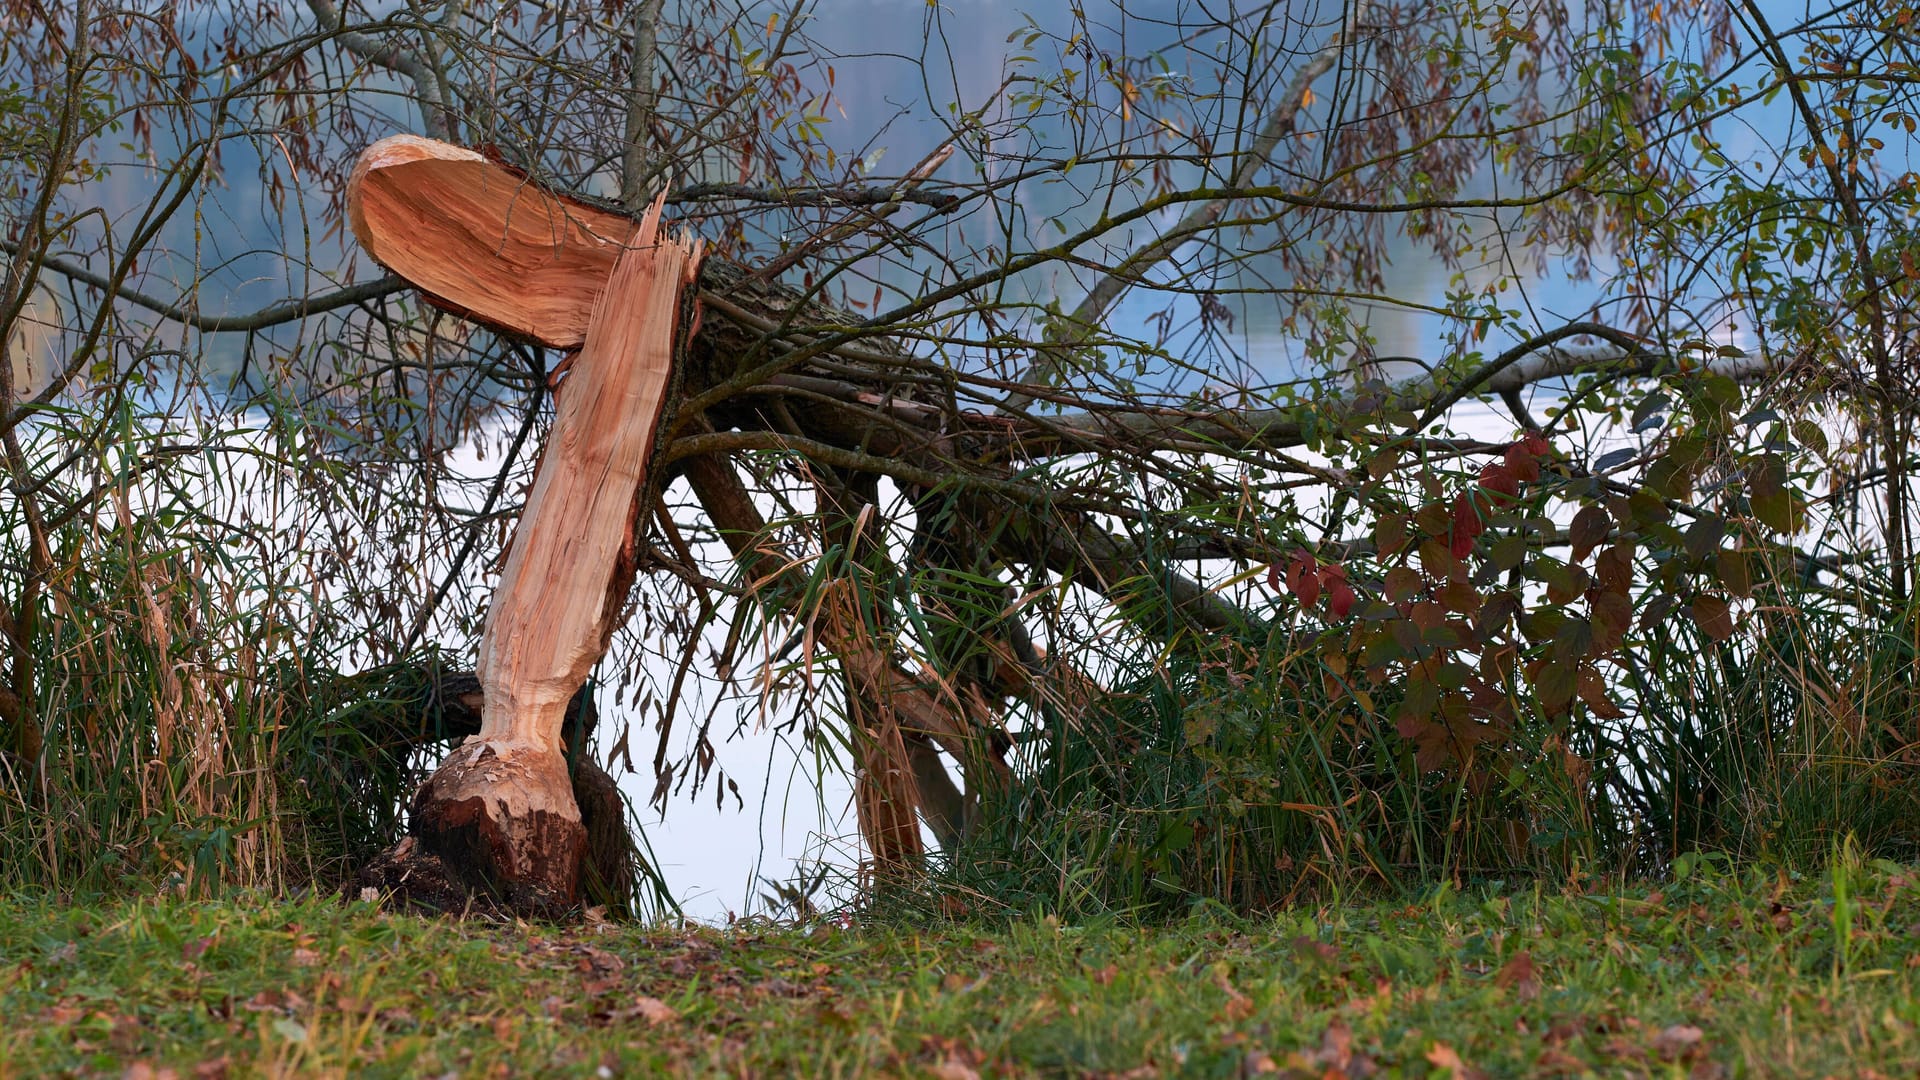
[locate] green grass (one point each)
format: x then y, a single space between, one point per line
1718 973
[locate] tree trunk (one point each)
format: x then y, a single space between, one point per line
500 810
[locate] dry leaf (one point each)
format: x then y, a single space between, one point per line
1677 1040
654 1010
1442 1056
1518 975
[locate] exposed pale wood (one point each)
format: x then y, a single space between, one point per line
557 602
553 610
481 240
478 239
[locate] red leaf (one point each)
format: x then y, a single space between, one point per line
1536 444
1500 483
1339 597
1525 467
1302 580
1466 526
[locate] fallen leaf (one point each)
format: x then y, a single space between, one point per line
954 1070
1239 1006
1553 1062
1518 975
1442 1056
305 958
1676 1040
654 1011
1257 1063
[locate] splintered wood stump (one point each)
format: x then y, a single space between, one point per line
500 809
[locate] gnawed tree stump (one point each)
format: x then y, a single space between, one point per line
480 240
499 813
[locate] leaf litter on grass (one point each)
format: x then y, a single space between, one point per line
1749 973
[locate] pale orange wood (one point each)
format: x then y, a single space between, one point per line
553 609
477 238
481 240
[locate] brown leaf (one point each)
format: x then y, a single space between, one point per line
305 958
1518 975
1389 535
1401 584
954 1070
1614 568
653 1011
1556 1062
1239 1006
1258 1063
1442 1056
1590 526
1593 691
1677 1040
1713 616
1733 572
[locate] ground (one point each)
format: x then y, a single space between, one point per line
1718 973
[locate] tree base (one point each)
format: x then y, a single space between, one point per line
494 826
416 877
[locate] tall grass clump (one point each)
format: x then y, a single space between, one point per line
145 731
1782 741
176 638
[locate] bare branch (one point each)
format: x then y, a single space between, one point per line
292 309
642 99
1280 123
845 195
388 55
